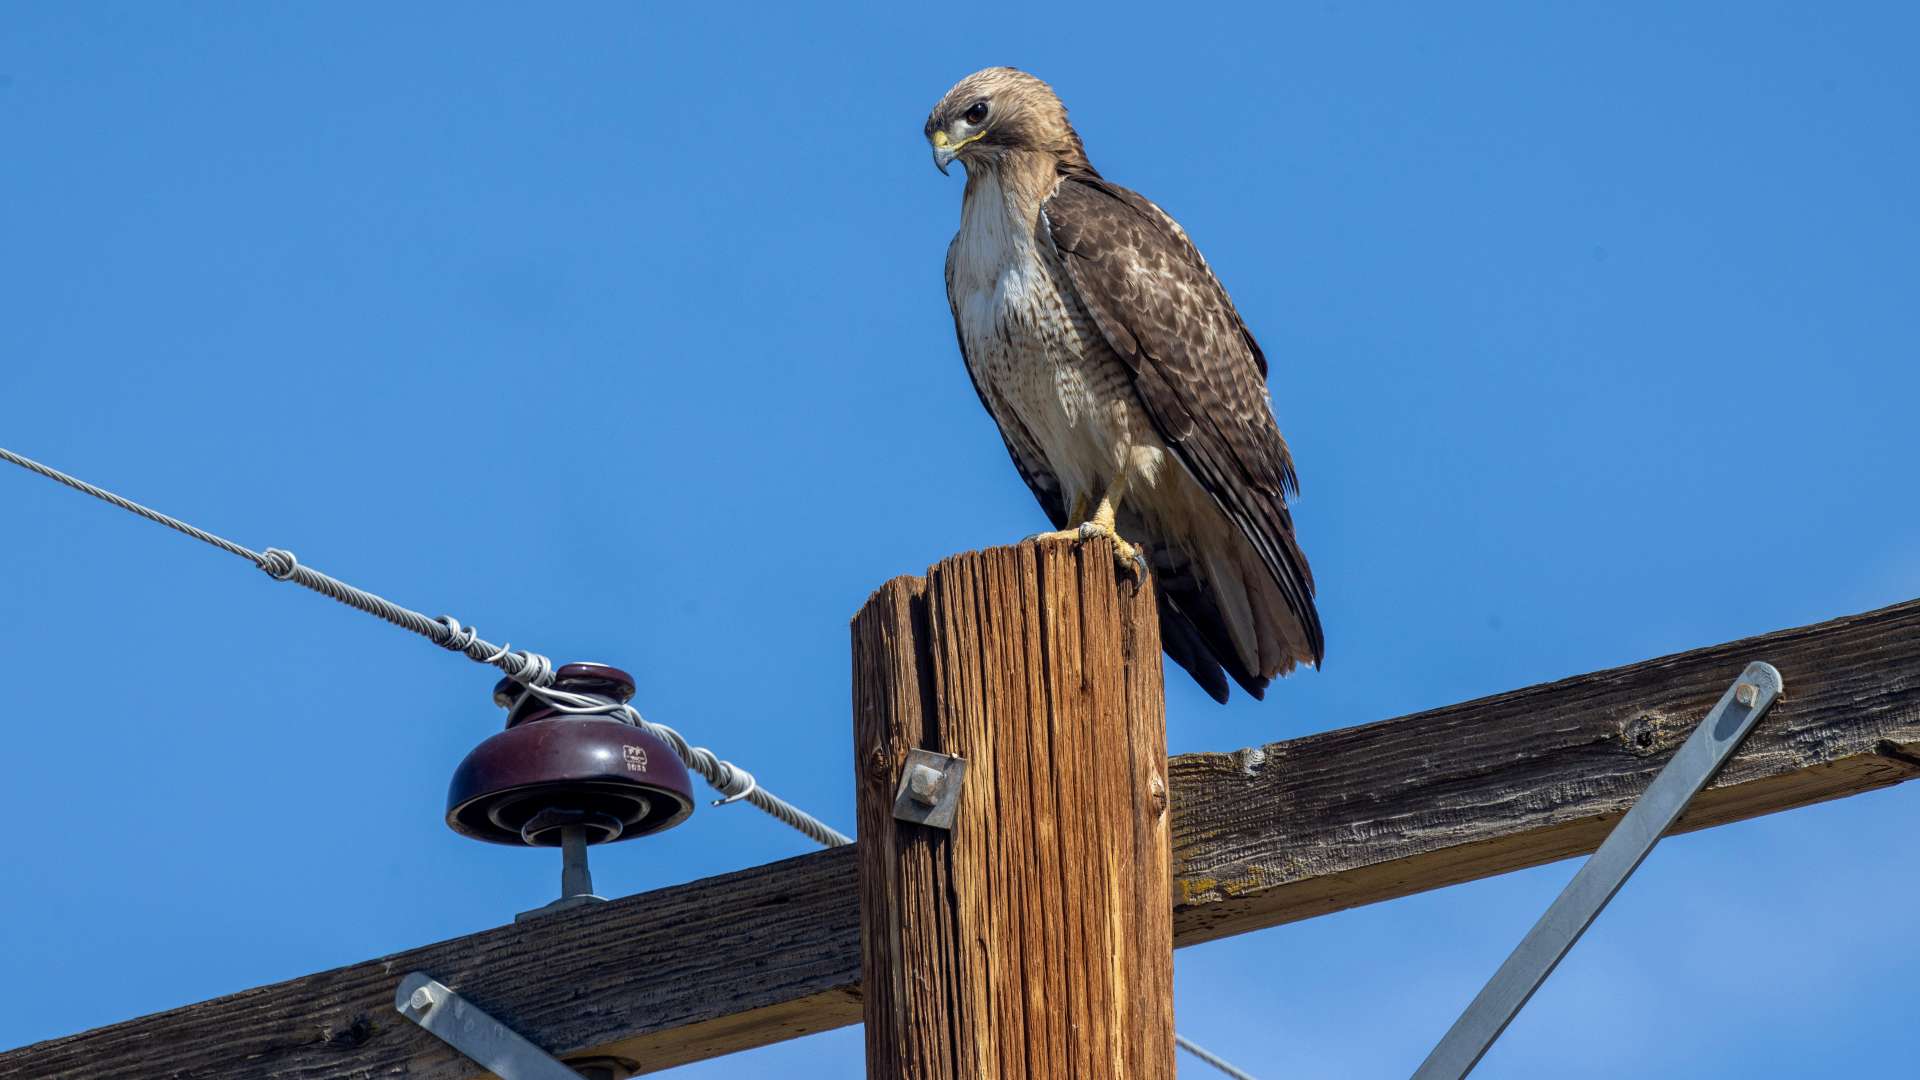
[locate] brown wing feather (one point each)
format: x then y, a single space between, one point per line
1197 369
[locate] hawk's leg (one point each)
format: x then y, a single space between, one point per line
1079 511
1101 524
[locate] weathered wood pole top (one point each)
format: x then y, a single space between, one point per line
1034 939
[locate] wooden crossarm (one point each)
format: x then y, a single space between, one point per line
1261 837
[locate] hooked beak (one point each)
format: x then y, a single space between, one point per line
945 149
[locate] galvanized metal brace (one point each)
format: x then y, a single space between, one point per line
1738 710
494 1046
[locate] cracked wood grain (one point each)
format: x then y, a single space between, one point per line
1034 939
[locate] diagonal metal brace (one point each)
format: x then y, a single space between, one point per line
1738 710
494 1046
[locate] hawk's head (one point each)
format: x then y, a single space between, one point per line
996 112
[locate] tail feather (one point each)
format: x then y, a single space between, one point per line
1194 630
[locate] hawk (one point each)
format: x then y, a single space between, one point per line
1130 394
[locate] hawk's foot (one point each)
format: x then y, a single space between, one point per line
1131 558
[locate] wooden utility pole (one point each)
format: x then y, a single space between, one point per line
1034 938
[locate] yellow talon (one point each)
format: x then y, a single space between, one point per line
1101 524
1129 555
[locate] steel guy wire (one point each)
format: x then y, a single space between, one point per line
1209 1057
529 668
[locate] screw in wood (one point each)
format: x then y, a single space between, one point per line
1746 694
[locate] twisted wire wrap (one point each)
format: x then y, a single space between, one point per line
446 631
730 780
529 668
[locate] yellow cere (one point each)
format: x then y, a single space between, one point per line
941 141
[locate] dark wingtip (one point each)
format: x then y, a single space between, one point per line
1185 647
1215 687
1255 686
1211 677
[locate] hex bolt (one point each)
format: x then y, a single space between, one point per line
925 784
1746 694
422 999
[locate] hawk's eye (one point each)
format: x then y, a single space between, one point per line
977 114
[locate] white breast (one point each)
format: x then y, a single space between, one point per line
1033 349
996 267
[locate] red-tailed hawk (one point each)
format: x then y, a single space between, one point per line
1130 394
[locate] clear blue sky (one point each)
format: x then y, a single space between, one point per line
618 331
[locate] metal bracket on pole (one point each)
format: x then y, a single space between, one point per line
496 1047
1738 710
929 791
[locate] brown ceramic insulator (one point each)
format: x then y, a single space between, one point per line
550 769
